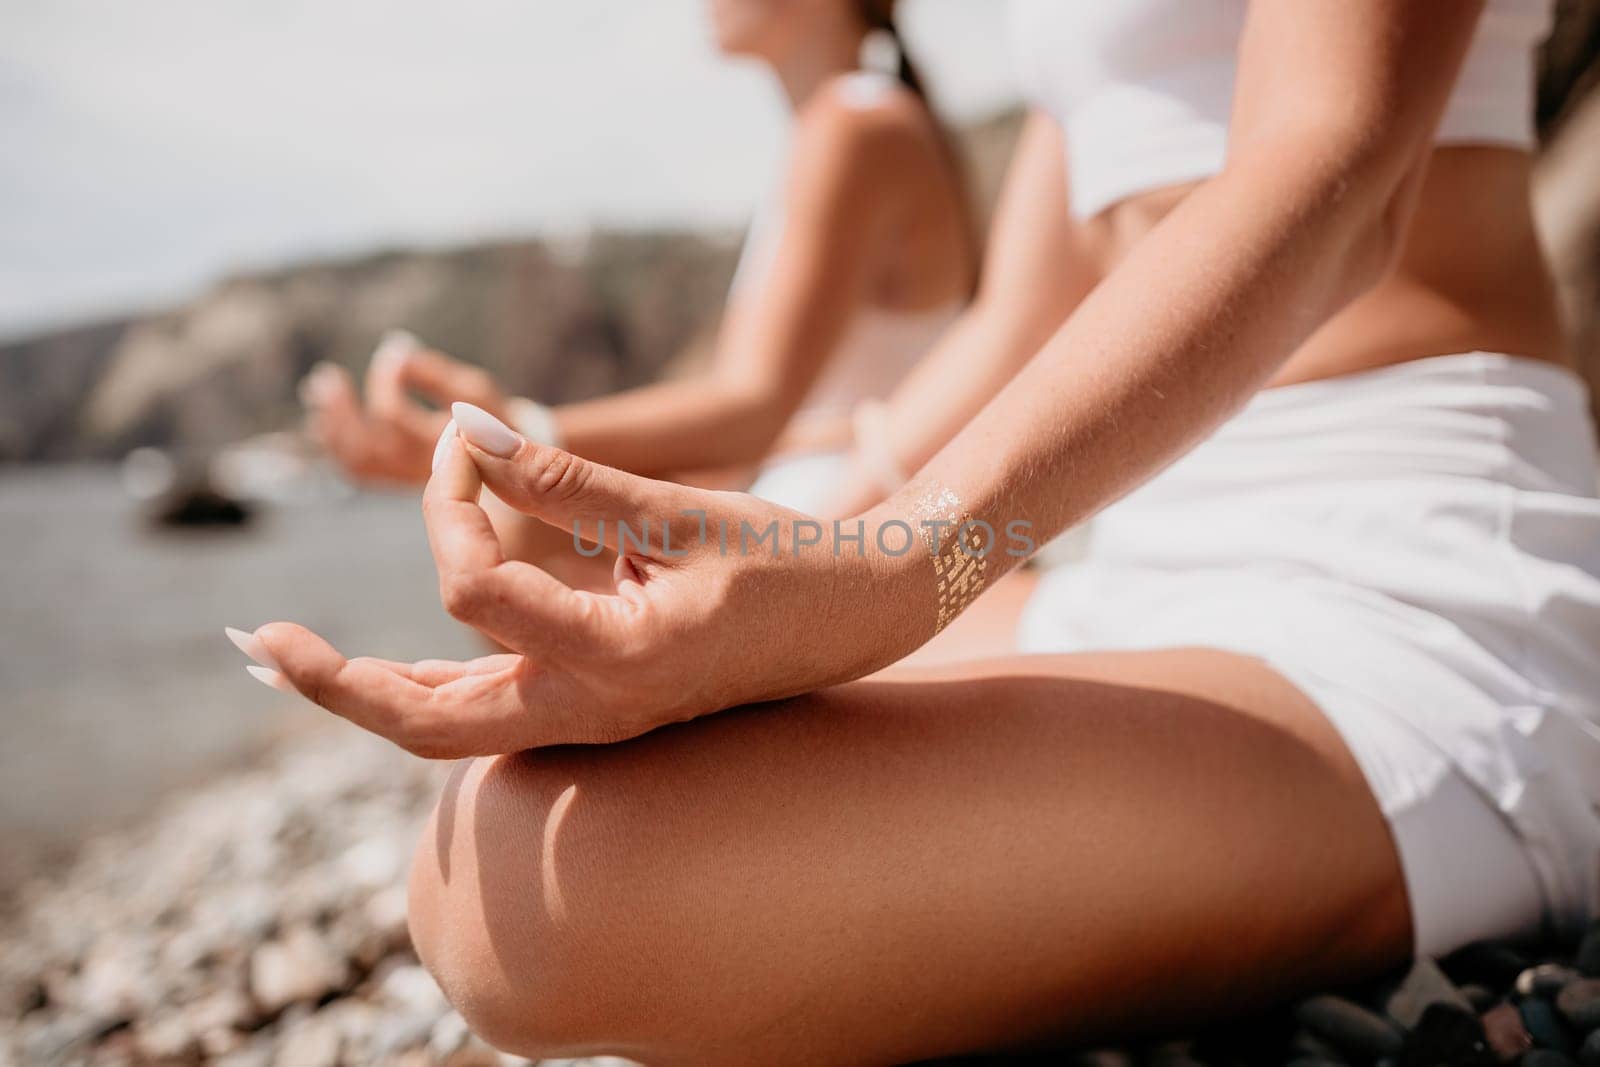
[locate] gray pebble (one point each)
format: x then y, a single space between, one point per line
1348 1026
1589 1054
1579 1004
1545 980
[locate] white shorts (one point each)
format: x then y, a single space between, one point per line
1418 549
803 482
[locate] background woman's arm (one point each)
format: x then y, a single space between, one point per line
1033 276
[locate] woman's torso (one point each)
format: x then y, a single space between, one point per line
921 273
1146 86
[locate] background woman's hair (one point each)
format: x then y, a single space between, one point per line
879 15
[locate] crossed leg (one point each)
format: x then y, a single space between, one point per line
1032 848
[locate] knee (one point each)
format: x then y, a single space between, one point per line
489 917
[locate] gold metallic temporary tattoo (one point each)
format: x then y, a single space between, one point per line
959 547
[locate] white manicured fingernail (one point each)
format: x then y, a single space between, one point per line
318 386
270 678
485 431
395 346
443 447
252 646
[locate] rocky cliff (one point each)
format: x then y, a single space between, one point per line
558 320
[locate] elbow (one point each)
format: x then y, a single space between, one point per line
1377 239
1363 186
1384 165
1370 251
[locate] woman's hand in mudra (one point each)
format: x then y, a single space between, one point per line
717 606
380 435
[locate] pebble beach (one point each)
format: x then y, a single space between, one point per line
259 921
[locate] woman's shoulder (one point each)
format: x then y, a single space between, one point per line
870 115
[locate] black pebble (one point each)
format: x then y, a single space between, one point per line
1349 1027
1589 1054
1579 1004
1261 1037
1171 1055
1448 1036
201 507
1545 1057
1307 1045
1545 1025
1588 960
1488 963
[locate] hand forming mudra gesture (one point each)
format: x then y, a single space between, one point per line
379 433
704 615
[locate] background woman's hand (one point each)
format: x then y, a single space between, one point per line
386 436
714 605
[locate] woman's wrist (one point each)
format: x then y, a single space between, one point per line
954 556
535 421
894 584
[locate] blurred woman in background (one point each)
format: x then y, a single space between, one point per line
865 254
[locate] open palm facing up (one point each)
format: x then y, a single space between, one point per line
714 605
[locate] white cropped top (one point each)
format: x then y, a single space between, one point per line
1142 89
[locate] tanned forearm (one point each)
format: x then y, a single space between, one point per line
1177 339
657 430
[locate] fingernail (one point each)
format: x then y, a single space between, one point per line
314 388
447 435
485 431
270 678
252 646
395 346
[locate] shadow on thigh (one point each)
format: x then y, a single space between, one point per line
896 869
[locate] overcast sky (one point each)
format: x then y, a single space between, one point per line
147 146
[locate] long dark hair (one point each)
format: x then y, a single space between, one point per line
879 15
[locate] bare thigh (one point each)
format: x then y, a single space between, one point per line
995 853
